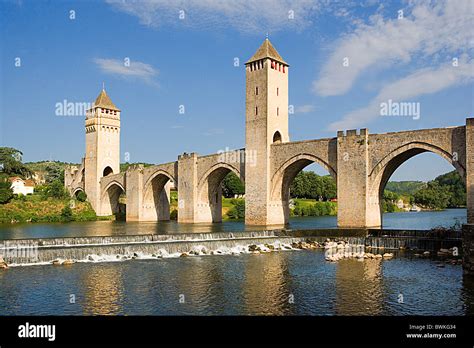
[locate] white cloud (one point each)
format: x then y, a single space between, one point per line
304 109
427 29
419 83
248 16
134 69
214 132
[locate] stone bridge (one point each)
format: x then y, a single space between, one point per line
362 164
147 189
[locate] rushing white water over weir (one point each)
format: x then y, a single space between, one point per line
121 248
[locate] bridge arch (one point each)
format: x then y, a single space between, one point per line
384 169
284 176
110 202
210 193
76 191
156 197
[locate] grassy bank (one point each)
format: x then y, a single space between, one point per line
35 208
312 207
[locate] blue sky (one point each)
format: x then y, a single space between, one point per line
190 62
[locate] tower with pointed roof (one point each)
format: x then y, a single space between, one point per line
266 124
102 156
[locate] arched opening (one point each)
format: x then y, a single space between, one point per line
80 195
277 138
303 186
107 171
418 188
114 201
156 201
211 193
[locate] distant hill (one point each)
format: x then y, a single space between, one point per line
41 165
405 187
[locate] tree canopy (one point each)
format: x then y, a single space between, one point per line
232 185
11 164
313 186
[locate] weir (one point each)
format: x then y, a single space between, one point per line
119 248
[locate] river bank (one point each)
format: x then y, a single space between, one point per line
38 209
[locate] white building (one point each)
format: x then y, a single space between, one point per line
20 186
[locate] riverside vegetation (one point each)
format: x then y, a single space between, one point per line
49 202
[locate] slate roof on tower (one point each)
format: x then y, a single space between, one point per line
267 50
104 101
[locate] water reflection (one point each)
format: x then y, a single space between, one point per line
468 294
266 285
103 290
359 287
240 284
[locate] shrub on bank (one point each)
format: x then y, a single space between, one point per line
174 214
37 208
238 209
314 209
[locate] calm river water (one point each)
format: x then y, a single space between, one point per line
422 221
279 283
245 284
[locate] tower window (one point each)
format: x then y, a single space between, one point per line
277 91
256 90
277 137
107 171
278 111
256 110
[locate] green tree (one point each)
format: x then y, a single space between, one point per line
56 190
54 172
232 185
6 192
238 210
433 196
309 185
66 214
456 187
10 162
81 196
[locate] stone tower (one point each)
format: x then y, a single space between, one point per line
266 123
102 146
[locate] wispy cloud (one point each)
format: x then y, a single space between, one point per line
304 109
417 84
427 30
214 132
128 69
249 16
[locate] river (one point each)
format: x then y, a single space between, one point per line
278 283
423 220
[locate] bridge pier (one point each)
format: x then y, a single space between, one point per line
357 205
470 170
134 192
187 187
468 249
